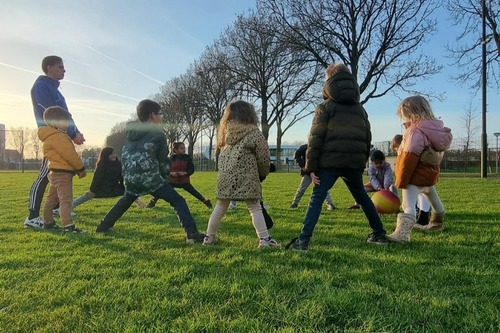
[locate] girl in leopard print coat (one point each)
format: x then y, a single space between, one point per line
243 164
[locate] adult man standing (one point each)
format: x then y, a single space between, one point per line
44 94
339 144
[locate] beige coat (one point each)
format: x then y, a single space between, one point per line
243 163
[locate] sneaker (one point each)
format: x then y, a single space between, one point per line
72 229
293 206
298 245
232 206
51 226
102 228
330 207
355 206
195 238
268 242
55 211
377 239
151 204
208 203
35 223
209 240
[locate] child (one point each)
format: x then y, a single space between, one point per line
423 206
417 165
300 157
379 175
108 180
338 147
64 163
243 164
145 170
181 167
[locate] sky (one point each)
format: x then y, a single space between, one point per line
117 52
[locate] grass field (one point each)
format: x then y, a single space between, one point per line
142 277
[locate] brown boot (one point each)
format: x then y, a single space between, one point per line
403 228
436 222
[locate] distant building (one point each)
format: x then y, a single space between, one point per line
286 153
2 145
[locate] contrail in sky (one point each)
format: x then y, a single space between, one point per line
73 82
119 63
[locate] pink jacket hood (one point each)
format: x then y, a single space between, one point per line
426 133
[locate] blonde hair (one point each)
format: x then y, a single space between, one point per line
396 142
415 109
240 112
336 68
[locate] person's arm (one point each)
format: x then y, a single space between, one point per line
388 176
262 156
317 135
372 177
97 179
190 166
66 150
162 156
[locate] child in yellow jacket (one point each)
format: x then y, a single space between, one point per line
64 163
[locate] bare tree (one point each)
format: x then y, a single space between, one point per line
34 143
217 87
18 139
378 39
116 138
466 54
471 125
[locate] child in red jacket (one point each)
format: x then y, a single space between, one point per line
181 167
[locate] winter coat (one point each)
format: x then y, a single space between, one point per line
300 157
108 180
145 161
243 163
410 169
340 135
44 94
60 151
381 178
182 163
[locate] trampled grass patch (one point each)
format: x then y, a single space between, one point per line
142 277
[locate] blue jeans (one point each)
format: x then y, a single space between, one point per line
353 178
167 193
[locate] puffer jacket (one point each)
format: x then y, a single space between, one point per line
243 163
409 167
60 151
182 163
145 161
108 179
340 135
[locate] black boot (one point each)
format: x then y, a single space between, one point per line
423 218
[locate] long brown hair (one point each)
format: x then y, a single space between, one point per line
104 155
240 112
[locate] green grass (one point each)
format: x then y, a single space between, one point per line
143 277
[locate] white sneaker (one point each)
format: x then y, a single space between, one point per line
36 223
209 240
55 211
268 242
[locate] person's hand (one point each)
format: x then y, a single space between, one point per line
174 174
82 174
79 139
315 179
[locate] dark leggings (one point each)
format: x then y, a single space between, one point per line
188 188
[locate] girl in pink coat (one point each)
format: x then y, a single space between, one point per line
417 165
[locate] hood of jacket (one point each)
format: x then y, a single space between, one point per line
46 131
48 80
137 130
341 88
440 137
236 131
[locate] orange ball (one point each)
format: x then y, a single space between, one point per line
386 202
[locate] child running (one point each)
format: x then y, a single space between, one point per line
243 164
417 166
181 167
64 163
108 180
146 168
